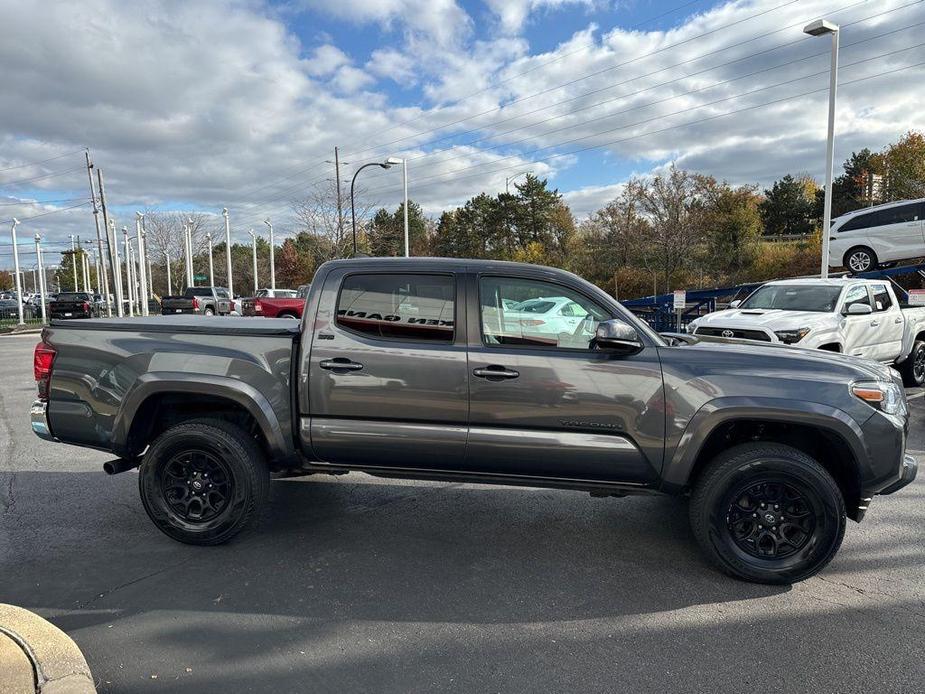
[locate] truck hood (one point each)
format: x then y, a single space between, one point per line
772 319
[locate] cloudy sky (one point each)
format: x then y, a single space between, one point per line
196 106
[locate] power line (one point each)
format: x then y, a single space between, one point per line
42 161
37 178
455 173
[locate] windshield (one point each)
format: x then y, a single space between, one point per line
793 297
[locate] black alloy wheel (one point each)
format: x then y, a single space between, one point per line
196 485
770 519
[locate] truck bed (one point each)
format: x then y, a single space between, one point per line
231 325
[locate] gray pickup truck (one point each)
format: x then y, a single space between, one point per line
200 301
489 372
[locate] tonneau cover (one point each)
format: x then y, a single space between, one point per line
209 325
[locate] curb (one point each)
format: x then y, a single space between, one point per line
37 656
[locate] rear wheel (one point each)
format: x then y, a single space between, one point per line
204 481
860 259
913 369
768 513
208 311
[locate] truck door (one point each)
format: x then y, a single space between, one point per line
887 324
544 403
387 377
860 330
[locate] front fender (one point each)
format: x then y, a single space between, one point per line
681 460
248 397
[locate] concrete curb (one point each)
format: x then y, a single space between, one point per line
47 657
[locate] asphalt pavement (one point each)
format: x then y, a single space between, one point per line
359 584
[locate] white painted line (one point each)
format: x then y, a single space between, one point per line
917 395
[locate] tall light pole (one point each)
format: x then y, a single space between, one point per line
190 275
353 209
38 255
169 282
211 266
507 181
16 266
117 263
228 252
254 248
821 27
142 263
394 161
272 259
128 271
74 262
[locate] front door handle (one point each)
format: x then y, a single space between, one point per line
340 365
874 323
495 373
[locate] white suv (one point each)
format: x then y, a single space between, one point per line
864 239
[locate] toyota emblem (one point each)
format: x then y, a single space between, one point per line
728 333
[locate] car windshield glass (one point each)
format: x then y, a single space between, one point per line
73 297
791 297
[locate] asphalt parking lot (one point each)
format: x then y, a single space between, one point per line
358 584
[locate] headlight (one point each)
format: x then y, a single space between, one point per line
886 397
789 337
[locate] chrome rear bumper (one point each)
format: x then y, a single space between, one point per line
38 415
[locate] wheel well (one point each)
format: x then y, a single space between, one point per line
831 347
828 448
161 411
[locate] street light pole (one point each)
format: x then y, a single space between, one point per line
353 209
507 181
404 178
16 266
821 27
188 240
128 270
117 263
254 247
169 282
211 266
73 262
228 252
142 264
38 255
272 258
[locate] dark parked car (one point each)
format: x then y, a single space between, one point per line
425 369
204 301
72 305
9 309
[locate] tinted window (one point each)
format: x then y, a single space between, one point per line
882 301
856 295
221 293
405 307
794 297
73 296
879 218
510 314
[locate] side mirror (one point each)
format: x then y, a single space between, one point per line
858 310
735 304
618 336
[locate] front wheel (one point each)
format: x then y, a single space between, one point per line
913 369
768 513
204 481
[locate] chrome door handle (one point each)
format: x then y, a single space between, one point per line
495 373
874 323
339 364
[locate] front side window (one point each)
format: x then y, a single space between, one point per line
882 301
856 295
532 313
403 307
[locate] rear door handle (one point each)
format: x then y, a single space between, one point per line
495 373
898 320
340 365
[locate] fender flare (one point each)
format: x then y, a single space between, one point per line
248 397
681 461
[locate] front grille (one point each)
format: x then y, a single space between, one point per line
759 335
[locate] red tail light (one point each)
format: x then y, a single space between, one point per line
258 307
42 361
195 304
532 321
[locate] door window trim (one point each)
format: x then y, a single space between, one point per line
454 276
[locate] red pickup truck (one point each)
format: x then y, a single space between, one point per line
279 303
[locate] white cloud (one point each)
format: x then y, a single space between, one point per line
326 59
350 79
512 14
394 65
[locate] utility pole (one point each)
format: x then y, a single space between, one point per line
272 261
113 247
254 246
228 252
211 266
38 255
102 281
340 206
16 264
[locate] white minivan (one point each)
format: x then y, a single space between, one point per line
867 238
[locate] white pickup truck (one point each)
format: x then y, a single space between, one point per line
858 317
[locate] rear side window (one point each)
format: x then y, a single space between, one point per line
399 307
882 301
